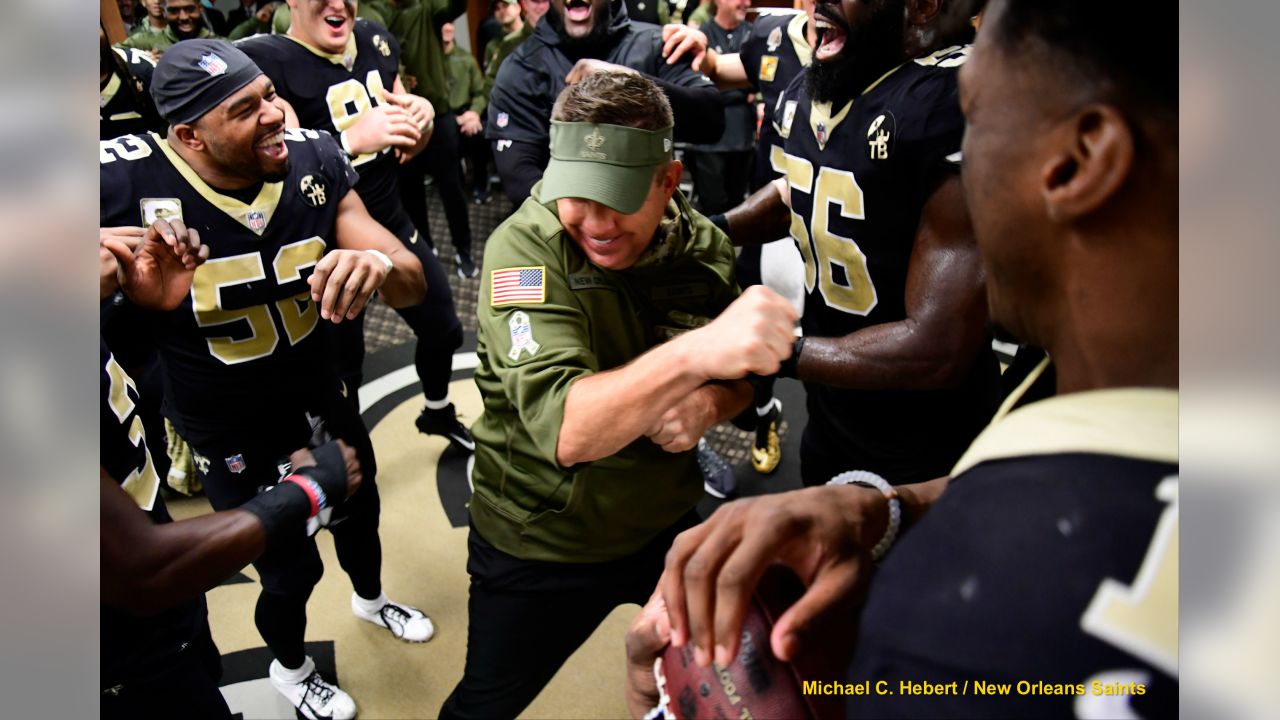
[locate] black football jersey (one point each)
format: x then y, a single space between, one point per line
242 344
125 105
859 178
135 647
330 92
1044 581
773 55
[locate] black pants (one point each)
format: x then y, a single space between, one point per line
440 159
188 688
476 151
720 179
291 565
434 321
527 617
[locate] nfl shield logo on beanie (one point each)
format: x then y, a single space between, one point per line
212 64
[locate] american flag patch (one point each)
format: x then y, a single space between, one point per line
517 285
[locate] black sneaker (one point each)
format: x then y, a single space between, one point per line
717 477
445 422
466 267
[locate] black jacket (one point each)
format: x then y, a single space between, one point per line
532 76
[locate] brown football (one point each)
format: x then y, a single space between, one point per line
757 684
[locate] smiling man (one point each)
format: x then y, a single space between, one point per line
341 75
578 37
185 22
290 246
600 366
896 359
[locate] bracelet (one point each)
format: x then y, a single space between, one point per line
313 490
386 261
346 147
790 367
874 481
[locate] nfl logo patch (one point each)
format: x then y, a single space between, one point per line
257 220
235 463
213 64
822 134
502 119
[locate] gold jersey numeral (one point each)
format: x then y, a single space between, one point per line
1142 618
349 99
826 250
142 483
297 314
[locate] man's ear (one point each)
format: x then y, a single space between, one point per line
1096 159
187 135
671 178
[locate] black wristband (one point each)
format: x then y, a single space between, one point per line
789 367
720 221
329 472
280 507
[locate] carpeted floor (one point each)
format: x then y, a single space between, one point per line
423 489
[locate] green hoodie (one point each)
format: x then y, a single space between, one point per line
590 320
147 40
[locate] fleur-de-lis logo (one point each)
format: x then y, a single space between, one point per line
593 143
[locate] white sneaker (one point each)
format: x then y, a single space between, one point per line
314 697
405 622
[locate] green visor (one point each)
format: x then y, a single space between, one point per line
610 164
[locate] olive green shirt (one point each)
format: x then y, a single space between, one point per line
465 83
531 352
498 49
417 27
148 40
249 28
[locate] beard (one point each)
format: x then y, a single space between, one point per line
599 29
869 52
188 35
246 165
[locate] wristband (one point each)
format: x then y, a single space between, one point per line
346 147
874 481
315 493
278 506
790 366
386 261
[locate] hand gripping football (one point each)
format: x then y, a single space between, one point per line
757 684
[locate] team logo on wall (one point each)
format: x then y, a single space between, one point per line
313 191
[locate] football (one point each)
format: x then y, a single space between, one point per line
757 684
